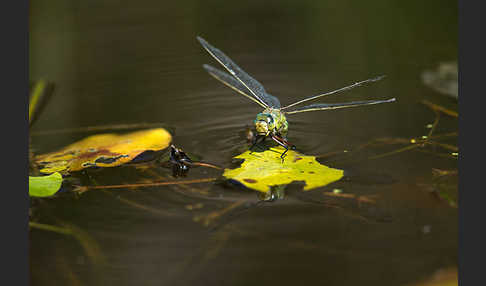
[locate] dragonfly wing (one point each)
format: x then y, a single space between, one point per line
231 82
328 106
356 84
245 79
272 101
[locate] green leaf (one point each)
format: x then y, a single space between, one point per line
262 170
40 95
45 186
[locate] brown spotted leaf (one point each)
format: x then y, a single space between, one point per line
104 150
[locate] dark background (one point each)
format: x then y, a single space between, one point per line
130 62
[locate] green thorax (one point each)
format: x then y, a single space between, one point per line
277 122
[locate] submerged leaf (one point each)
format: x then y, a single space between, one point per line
443 79
441 277
40 94
44 186
262 170
104 150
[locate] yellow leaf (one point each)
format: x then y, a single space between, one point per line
262 170
104 150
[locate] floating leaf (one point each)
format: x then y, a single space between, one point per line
262 170
104 150
44 186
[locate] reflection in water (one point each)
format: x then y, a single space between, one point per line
140 63
276 193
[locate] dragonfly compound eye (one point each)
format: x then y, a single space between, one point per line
270 123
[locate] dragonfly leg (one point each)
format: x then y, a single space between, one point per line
255 141
284 153
282 142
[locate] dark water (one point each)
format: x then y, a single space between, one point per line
130 62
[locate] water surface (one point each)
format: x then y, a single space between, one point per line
117 63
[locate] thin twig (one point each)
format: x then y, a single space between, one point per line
395 151
446 155
89 245
124 186
434 125
49 227
442 109
142 207
207 219
202 164
359 199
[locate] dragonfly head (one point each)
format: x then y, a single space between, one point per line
264 124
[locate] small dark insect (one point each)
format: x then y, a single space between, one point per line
180 162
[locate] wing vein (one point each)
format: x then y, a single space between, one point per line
329 106
253 86
230 82
356 84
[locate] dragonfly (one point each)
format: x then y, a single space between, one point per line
272 121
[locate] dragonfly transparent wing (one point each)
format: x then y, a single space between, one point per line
329 106
356 84
245 79
231 82
272 101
